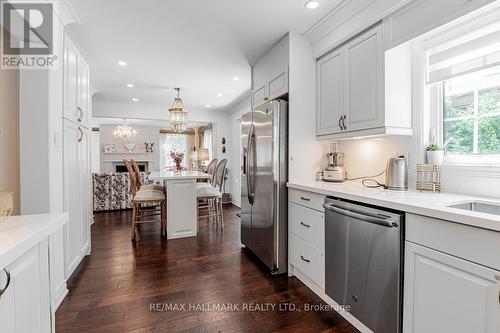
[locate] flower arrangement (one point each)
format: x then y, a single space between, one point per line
178 158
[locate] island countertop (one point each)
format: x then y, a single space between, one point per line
18 234
171 175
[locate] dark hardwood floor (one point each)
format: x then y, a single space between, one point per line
116 288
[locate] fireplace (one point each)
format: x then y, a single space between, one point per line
120 166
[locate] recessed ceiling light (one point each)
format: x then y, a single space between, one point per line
236 78
135 100
208 106
130 85
219 95
122 63
311 4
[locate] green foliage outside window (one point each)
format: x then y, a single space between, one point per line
460 119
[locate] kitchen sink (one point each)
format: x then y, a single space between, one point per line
477 206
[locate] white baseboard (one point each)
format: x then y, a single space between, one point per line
60 295
235 202
321 293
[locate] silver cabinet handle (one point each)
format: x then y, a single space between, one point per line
340 124
81 134
304 259
343 122
304 225
305 199
2 291
80 111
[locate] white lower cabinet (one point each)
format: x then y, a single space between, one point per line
25 306
447 294
308 259
76 194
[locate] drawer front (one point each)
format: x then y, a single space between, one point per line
308 199
308 259
307 224
477 245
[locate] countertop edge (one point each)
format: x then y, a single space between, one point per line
23 246
442 214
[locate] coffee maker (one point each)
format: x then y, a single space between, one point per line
335 172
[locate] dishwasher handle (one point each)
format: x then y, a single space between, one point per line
371 219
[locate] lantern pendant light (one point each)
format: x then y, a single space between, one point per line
178 116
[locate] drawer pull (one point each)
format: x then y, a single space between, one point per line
304 225
2 291
305 199
304 259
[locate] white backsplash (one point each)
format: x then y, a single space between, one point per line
368 157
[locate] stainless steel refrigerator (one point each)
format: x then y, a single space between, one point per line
264 203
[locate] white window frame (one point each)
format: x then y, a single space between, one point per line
429 99
436 104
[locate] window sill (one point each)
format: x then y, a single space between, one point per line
472 170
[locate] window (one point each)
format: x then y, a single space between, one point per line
471 114
181 143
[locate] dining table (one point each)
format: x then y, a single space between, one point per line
181 203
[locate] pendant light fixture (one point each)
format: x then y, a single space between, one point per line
124 132
178 117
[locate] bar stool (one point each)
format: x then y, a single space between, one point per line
212 195
145 203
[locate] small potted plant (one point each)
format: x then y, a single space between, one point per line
435 154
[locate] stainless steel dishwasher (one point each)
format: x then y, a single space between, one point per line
363 261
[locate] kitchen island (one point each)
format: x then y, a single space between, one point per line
182 212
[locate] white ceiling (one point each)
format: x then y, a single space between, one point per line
198 45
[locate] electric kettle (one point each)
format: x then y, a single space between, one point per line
396 174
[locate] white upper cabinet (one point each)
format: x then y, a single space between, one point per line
76 85
270 74
364 80
330 93
351 90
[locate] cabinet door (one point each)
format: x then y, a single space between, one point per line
448 295
84 188
330 91
72 196
71 83
278 85
25 305
83 94
260 96
364 81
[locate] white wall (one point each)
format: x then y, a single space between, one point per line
306 154
235 113
9 134
144 134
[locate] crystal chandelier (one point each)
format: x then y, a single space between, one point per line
124 132
178 117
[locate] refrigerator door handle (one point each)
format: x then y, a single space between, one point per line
244 166
250 155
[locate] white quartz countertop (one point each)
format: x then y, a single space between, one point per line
18 234
412 201
170 175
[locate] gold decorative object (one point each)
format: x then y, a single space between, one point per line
6 204
178 116
428 177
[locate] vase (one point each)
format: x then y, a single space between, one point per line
178 166
435 157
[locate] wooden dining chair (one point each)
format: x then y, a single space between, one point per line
139 184
146 203
210 197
